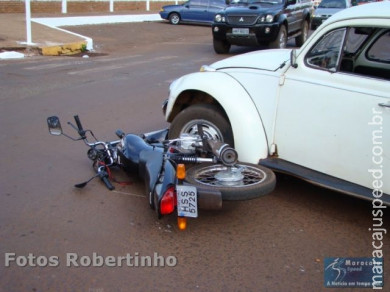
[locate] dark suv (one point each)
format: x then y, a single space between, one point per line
261 22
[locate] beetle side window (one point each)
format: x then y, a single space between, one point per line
326 53
363 51
380 50
356 38
367 52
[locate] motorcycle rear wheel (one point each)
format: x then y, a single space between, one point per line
257 180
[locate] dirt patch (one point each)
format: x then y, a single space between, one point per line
127 37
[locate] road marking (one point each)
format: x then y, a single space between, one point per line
185 43
128 194
75 61
121 65
108 59
49 66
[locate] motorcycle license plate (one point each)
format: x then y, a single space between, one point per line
187 201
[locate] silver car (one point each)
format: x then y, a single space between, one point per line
326 9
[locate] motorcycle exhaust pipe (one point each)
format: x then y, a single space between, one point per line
226 154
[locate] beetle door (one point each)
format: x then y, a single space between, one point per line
334 108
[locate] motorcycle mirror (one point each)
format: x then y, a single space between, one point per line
80 186
83 184
54 125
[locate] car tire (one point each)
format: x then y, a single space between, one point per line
256 180
174 18
214 123
221 47
281 40
301 39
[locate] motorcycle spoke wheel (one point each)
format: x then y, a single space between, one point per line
244 182
250 176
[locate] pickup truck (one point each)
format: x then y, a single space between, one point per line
261 22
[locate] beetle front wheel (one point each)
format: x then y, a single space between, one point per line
214 123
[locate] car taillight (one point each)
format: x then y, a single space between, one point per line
168 201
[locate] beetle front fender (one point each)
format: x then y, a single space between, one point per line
250 139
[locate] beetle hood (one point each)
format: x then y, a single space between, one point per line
270 60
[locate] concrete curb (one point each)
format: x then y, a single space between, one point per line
66 49
86 43
101 19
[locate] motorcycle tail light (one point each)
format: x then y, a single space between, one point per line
168 201
182 223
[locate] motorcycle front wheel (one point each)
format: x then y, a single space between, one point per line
244 181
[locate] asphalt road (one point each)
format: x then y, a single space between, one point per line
276 243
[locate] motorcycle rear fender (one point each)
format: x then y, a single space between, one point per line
209 199
250 140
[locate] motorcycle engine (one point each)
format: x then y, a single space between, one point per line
188 143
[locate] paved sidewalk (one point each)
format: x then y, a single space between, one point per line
49 39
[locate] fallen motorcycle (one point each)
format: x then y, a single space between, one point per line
185 174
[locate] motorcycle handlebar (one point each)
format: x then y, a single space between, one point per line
223 152
80 129
78 123
104 177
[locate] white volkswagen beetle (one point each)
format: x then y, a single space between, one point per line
321 113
